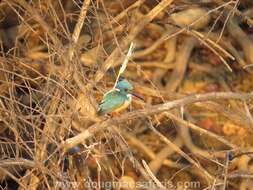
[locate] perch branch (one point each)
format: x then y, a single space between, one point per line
71 142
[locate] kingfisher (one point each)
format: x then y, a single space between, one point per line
117 99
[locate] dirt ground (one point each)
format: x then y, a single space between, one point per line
190 61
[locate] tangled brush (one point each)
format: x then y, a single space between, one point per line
190 60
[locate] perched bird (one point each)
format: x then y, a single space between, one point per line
117 99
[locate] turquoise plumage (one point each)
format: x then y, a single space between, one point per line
116 99
112 100
124 85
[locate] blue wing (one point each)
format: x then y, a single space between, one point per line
111 101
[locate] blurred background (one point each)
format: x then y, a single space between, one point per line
58 58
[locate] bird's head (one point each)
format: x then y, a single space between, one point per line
125 87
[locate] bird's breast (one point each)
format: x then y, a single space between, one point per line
124 105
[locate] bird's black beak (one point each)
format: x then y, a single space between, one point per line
137 96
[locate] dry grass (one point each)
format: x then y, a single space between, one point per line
191 62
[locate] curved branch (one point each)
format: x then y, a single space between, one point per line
71 142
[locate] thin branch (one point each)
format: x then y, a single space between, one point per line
182 153
79 25
124 64
136 30
200 130
71 142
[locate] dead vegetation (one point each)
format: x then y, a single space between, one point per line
192 63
